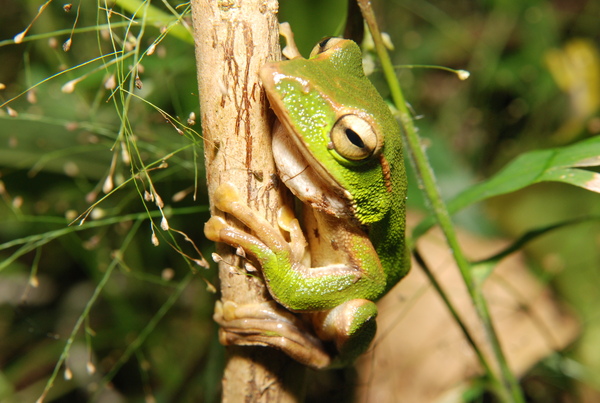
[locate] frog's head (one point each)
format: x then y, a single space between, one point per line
341 147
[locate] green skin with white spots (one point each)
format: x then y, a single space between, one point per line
351 248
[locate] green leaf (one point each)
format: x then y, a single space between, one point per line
153 15
483 268
553 165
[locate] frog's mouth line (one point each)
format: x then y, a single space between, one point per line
304 178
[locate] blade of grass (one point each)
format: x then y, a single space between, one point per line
453 311
32 242
154 16
86 311
553 165
508 390
483 268
135 345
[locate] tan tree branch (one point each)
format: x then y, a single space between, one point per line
233 40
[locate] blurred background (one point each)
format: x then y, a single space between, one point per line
131 299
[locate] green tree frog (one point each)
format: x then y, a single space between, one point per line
338 149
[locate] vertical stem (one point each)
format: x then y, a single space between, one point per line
511 390
233 41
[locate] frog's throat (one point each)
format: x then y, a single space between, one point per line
304 178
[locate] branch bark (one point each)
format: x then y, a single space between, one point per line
233 39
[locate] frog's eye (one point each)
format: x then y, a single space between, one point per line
325 45
353 138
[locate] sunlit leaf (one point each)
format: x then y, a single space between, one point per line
553 165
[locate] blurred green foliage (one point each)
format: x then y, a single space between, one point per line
534 84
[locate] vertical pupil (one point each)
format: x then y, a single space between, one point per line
354 138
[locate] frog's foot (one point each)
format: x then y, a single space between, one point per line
291 50
351 326
268 324
267 239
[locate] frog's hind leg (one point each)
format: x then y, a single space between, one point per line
351 326
267 324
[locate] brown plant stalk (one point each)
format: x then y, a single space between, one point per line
233 40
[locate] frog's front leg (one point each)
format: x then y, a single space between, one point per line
267 323
349 269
